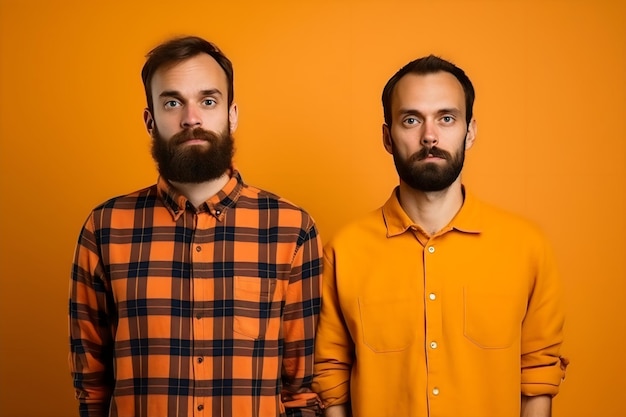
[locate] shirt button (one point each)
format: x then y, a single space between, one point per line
198 248
200 407
200 359
435 391
198 316
433 345
431 249
218 212
432 296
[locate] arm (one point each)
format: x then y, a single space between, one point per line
90 334
340 410
539 406
301 312
542 367
334 349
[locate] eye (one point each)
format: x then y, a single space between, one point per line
209 102
447 119
411 121
170 104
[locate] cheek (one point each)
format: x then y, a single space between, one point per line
405 145
167 125
216 119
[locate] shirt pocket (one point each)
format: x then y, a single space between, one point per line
387 325
492 318
252 305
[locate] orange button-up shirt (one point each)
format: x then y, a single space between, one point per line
177 311
458 324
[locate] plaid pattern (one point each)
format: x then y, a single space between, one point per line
182 312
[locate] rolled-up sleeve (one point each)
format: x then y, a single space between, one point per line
301 313
334 348
90 358
542 366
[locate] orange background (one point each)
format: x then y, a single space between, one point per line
551 145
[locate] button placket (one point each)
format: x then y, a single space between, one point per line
434 316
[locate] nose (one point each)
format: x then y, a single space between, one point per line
429 134
191 117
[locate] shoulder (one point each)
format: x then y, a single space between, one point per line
126 203
287 213
496 217
365 230
506 228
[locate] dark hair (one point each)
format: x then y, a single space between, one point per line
177 50
429 65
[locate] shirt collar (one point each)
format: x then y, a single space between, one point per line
227 197
467 220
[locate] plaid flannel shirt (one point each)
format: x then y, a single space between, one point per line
177 311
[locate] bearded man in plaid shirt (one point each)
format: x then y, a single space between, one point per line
199 295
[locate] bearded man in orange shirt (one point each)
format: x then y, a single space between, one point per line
437 304
199 295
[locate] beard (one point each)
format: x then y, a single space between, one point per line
429 176
193 163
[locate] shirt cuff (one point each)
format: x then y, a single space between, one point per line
544 380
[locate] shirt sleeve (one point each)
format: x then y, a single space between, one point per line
542 365
90 331
301 313
334 349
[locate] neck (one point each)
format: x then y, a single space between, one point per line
432 211
198 193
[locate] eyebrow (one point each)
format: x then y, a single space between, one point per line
451 110
174 93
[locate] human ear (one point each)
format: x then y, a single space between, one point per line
148 120
470 136
387 142
233 117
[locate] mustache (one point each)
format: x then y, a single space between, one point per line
194 134
434 151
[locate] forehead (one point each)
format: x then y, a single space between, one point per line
200 72
428 92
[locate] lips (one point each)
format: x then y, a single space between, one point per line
196 140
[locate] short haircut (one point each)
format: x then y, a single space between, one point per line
180 49
429 65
